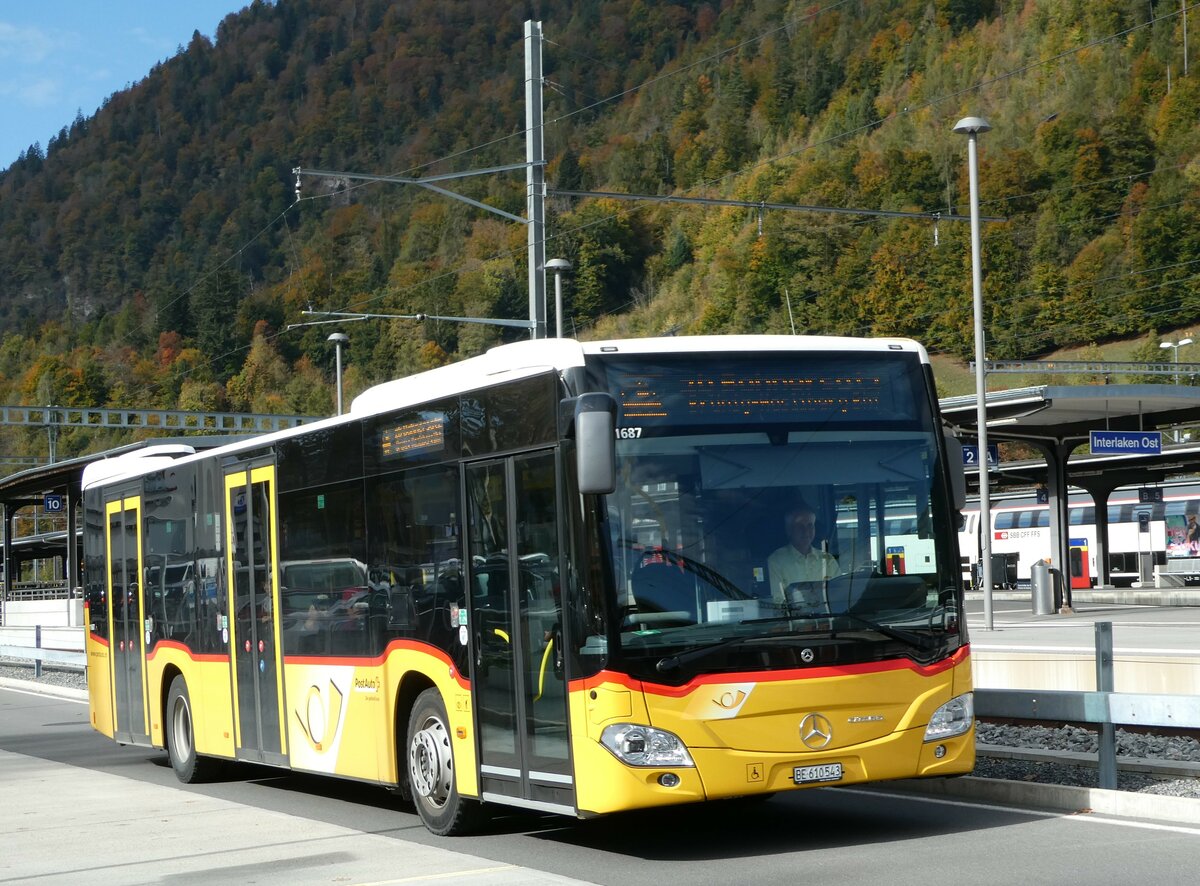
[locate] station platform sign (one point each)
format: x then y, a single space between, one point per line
971 455
1126 442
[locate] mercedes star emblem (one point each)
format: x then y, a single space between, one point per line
816 731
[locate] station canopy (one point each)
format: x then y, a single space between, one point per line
34 486
1058 419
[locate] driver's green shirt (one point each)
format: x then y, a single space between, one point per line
788 565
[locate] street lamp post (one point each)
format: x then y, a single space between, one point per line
559 266
339 339
971 127
1176 345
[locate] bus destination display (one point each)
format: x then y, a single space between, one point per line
690 395
424 436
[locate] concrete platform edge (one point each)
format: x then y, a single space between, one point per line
44 688
1058 798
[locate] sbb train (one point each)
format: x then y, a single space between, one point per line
1156 532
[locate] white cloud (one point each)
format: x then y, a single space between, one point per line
164 45
41 92
30 45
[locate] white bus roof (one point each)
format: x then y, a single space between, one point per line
503 363
689 344
521 359
141 461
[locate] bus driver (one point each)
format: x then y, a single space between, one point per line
798 560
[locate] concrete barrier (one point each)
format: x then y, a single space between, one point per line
48 613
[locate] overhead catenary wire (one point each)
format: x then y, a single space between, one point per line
808 16
833 138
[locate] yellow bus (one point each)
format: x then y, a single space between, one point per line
548 577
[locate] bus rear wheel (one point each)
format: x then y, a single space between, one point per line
190 767
431 771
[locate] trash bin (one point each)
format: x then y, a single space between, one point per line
1042 585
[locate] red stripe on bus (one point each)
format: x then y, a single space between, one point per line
179 647
364 661
337 661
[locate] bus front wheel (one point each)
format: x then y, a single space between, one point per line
190 768
431 770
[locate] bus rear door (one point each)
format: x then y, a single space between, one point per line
127 616
252 546
520 697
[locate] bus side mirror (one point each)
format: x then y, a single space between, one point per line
957 471
596 443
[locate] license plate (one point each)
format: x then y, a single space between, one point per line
823 772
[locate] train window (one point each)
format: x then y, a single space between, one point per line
1004 520
1043 517
1024 519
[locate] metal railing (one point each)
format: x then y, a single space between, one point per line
157 419
1104 708
38 590
38 644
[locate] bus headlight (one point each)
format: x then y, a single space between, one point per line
645 746
953 718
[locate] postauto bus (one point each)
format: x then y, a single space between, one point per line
539 578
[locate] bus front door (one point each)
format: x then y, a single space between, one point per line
520 697
252 546
127 615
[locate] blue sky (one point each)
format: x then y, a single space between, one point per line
62 56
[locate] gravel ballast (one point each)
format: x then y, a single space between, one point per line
66 678
1133 748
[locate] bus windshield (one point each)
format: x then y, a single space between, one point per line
778 516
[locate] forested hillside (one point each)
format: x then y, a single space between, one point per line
154 254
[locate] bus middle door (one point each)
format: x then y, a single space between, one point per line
252 546
520 697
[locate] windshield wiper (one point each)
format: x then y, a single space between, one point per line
673 662
908 638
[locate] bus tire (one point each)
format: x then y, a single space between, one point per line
431 771
190 767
